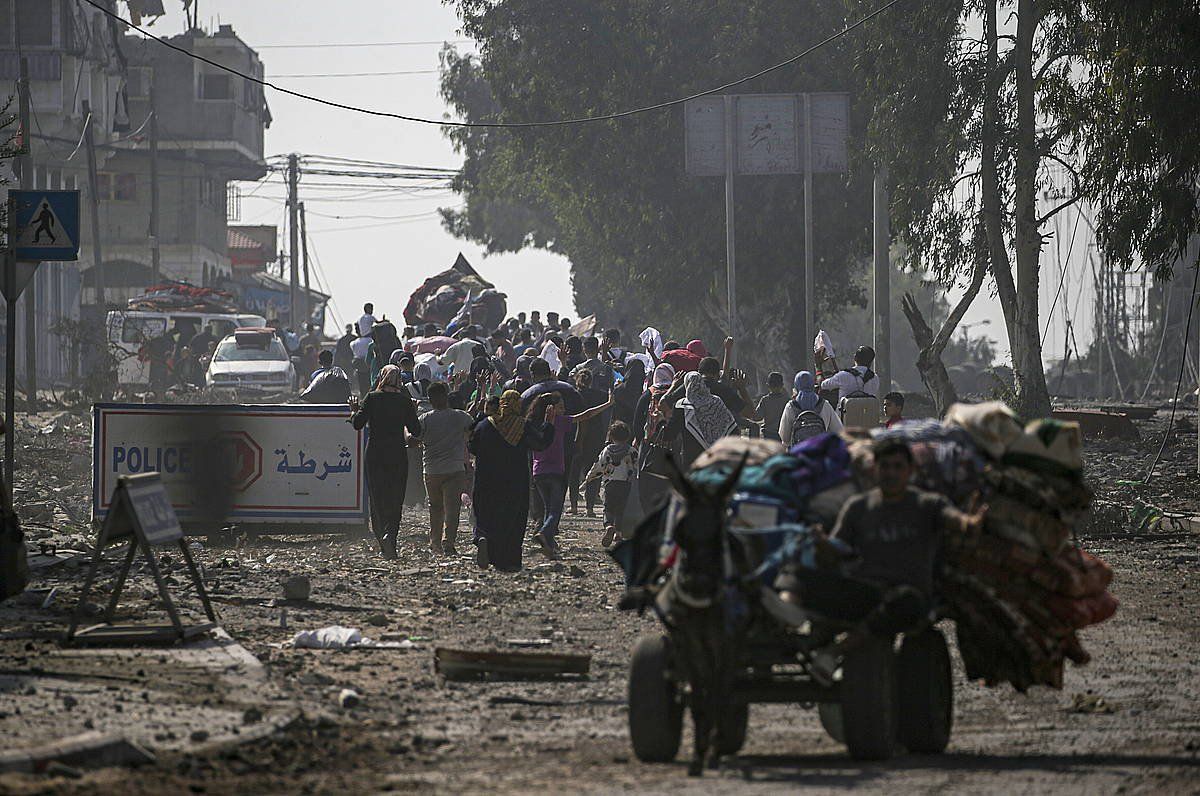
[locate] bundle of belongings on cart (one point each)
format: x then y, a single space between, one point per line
182 297
1018 591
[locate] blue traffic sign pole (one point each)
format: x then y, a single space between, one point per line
10 345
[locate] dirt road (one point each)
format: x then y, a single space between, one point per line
411 732
1128 722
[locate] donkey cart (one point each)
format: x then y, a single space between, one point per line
887 694
731 641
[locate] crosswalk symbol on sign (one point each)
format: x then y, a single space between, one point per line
47 225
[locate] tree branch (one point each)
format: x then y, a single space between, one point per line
1041 72
1059 208
960 309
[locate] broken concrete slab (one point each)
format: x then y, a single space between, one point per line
1098 423
454 664
87 750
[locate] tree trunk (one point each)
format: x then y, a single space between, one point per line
929 363
929 360
1032 394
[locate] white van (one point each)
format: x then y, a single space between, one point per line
130 330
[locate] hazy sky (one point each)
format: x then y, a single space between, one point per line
385 263
388 260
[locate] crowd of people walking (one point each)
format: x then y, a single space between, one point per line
524 423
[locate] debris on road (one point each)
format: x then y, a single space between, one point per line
297 587
454 664
88 750
1090 703
338 637
333 637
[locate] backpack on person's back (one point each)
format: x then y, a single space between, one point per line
859 409
808 422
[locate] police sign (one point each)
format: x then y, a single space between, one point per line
47 225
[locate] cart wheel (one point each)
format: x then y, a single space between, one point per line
655 708
832 720
926 693
869 700
731 734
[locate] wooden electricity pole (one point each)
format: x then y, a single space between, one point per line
294 231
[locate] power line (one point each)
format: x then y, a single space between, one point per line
366 74
1187 336
359 217
552 123
359 44
413 219
1062 278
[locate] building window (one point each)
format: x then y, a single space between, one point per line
138 84
212 194
233 203
215 87
116 187
35 20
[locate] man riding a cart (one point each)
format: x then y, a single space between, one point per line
895 532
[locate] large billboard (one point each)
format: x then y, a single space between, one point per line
276 465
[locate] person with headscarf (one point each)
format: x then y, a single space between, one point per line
646 417
386 411
698 420
418 388
649 426
816 411
501 444
627 394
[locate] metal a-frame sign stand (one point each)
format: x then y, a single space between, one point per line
141 515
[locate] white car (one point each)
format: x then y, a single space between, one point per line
251 359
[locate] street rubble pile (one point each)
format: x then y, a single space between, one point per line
52 484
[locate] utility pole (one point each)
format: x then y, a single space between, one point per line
810 300
10 281
94 193
26 178
730 263
294 231
883 283
155 254
304 247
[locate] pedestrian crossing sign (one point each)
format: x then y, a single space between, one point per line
47 225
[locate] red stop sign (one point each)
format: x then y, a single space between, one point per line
244 459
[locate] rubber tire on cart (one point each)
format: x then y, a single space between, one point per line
655 707
731 735
926 692
869 704
832 720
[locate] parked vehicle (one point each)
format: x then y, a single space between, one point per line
130 330
251 359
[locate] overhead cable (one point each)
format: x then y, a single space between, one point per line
516 125
365 74
358 44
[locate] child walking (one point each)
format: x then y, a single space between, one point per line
616 470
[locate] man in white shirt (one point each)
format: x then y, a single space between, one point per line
367 320
859 378
360 349
463 352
